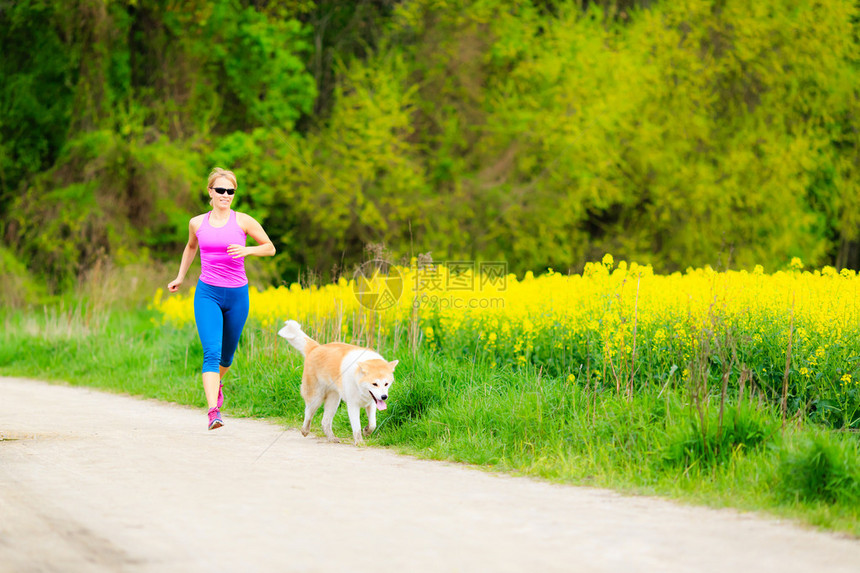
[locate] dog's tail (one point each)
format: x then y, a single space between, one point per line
292 331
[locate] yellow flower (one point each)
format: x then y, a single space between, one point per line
675 316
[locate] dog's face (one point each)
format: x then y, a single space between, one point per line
376 378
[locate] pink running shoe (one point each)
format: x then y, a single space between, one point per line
220 396
215 418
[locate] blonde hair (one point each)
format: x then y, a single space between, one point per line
218 172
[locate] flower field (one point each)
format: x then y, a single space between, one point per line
791 338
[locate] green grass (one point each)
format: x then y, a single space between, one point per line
517 421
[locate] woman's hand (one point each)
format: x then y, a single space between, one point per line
174 285
238 251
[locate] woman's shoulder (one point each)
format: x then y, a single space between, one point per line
243 218
196 221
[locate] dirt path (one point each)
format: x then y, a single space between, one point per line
98 482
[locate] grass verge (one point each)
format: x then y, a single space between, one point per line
466 411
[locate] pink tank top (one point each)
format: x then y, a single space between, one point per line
218 267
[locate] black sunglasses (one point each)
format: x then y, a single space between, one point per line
222 190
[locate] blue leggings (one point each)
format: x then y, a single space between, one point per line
220 313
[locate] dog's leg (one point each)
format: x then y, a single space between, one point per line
355 421
313 399
371 419
312 404
332 401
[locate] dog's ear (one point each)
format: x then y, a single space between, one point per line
393 364
361 368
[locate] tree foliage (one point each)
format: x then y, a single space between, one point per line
540 133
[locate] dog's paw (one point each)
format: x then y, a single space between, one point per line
334 440
367 431
305 432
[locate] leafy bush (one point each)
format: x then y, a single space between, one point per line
414 396
692 443
821 467
19 288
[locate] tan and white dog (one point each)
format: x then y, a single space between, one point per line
337 371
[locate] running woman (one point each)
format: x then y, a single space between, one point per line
221 297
